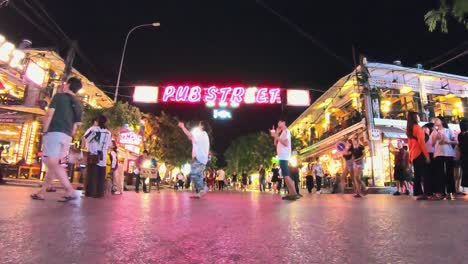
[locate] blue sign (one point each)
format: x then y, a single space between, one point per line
222 114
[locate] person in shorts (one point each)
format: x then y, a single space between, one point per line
282 141
59 126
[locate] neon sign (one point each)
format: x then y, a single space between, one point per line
221 114
213 94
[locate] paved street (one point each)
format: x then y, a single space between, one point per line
230 228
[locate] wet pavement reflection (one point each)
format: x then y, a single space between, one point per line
170 227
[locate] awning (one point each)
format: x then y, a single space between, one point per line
23 109
392 132
330 142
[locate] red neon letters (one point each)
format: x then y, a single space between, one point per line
237 95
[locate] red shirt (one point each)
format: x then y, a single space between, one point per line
417 145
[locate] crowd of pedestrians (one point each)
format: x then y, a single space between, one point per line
432 166
438 156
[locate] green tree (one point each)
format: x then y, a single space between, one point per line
457 9
118 116
167 141
248 152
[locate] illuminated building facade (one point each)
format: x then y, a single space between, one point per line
28 80
378 114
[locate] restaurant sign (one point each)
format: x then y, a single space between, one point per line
130 141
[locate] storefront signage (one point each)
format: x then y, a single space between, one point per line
212 94
11 120
375 134
130 138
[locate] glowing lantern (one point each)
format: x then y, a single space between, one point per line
35 73
450 95
406 89
186 169
298 97
145 94
5 51
385 106
16 59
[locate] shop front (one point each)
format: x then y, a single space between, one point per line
377 114
129 146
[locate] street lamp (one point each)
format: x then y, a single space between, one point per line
155 24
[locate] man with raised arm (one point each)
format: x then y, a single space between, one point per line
200 152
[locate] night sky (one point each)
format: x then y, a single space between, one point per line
224 42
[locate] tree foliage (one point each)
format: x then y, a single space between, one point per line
457 9
248 152
117 116
166 141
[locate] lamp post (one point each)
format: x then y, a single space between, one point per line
156 24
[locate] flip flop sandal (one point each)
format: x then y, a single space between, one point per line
67 199
37 197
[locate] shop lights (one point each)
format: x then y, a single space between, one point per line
8 133
31 143
222 104
145 94
234 105
406 89
210 104
186 169
450 95
386 106
298 97
5 51
35 73
17 59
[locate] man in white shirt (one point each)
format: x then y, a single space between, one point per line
282 141
221 178
200 152
318 172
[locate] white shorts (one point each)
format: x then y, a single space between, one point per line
56 144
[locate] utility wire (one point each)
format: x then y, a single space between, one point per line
33 10
30 20
308 36
447 53
449 60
